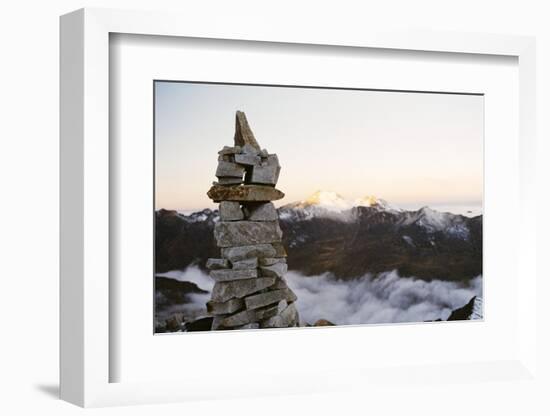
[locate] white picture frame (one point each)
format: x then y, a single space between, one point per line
85 220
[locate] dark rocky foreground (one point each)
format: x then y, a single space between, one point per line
349 245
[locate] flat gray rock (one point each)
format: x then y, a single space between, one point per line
264 299
273 322
250 316
280 283
229 169
287 318
216 264
226 158
244 193
275 270
250 150
247 159
290 315
238 319
265 313
280 250
226 180
231 211
226 275
281 306
227 150
251 263
290 296
271 310
269 261
234 254
216 322
243 233
267 173
263 211
224 308
223 291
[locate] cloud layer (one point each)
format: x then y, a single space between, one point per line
384 298
371 299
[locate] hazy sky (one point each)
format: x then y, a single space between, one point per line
410 149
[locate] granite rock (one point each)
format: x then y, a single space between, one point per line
230 150
223 291
226 180
229 169
215 264
243 132
250 316
226 158
244 193
247 159
238 319
216 322
235 254
290 296
290 315
280 283
226 275
251 150
231 211
267 312
269 261
263 211
264 299
280 250
251 263
243 233
287 318
267 173
275 270
224 308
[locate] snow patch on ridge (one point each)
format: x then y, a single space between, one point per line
434 221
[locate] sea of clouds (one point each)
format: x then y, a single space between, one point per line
382 298
371 299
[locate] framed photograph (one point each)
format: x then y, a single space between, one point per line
279 208
322 250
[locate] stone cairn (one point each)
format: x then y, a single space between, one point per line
250 290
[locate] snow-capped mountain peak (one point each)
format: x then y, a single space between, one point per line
330 204
328 200
324 204
366 201
373 202
334 202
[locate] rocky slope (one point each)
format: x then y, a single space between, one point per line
471 311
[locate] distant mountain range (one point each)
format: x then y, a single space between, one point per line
326 233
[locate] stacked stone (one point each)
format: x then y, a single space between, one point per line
250 290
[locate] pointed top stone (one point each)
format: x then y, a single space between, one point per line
243 133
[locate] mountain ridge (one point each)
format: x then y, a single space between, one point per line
345 239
